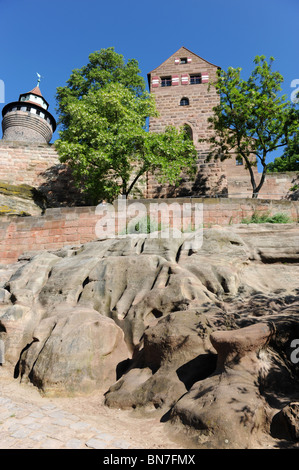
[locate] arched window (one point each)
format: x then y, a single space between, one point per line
184 102
188 132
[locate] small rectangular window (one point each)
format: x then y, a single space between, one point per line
239 161
195 79
183 60
165 81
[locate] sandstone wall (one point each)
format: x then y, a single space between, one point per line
26 163
276 185
168 98
210 180
64 226
38 165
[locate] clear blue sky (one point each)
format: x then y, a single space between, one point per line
54 37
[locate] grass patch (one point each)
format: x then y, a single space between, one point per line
144 225
279 218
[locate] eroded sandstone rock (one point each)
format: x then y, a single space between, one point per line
201 334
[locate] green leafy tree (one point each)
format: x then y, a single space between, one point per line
289 161
103 112
252 119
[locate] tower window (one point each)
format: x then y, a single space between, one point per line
184 102
195 79
165 81
239 161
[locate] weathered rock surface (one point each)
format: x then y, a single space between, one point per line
203 335
22 200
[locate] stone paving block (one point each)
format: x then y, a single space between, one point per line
37 414
51 444
56 414
11 421
35 426
104 436
119 444
63 422
21 433
14 426
26 420
94 443
38 436
74 444
80 426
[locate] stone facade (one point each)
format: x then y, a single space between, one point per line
38 165
184 98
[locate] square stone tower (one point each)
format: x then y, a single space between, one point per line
183 98
180 86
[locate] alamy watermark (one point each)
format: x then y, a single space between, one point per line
2 352
2 91
295 93
155 220
295 353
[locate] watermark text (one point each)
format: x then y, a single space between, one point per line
156 220
295 93
2 91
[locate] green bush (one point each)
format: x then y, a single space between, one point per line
279 218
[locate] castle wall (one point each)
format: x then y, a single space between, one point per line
210 180
276 185
65 226
26 163
38 165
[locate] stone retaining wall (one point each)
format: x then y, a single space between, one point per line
66 226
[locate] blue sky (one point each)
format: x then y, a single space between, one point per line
54 37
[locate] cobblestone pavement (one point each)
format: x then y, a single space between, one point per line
31 421
49 427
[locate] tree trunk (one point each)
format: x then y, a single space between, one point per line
262 180
252 180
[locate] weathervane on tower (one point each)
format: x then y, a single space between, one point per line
38 78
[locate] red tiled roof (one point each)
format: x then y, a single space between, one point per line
36 91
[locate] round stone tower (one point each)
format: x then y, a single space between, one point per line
28 120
